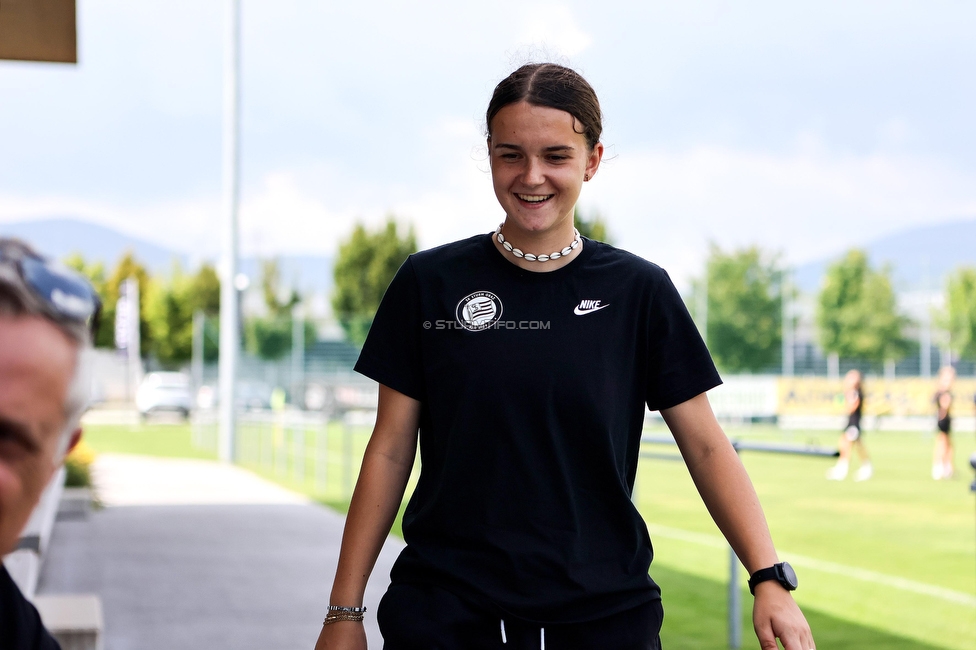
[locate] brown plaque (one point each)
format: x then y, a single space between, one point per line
38 30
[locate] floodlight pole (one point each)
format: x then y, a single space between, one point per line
229 312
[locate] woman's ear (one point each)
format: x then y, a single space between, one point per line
593 160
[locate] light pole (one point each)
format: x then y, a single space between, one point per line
229 310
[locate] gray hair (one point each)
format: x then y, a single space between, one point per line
17 299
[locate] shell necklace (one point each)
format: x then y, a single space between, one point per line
537 258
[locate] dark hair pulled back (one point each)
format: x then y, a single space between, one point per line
553 86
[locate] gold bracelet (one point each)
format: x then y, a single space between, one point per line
337 617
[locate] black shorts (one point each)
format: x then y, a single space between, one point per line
945 424
413 617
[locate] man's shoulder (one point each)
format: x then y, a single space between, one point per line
20 624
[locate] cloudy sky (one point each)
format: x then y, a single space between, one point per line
802 127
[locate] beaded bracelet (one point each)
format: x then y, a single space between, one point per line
348 610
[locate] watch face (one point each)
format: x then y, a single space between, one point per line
789 575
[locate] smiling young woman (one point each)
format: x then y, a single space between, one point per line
525 358
539 162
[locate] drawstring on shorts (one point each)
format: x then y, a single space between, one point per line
542 636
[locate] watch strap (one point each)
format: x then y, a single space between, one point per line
782 573
762 575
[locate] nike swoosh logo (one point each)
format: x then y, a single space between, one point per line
581 312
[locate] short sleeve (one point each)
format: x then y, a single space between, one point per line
679 366
391 354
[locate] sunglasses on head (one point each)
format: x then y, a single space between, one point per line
67 294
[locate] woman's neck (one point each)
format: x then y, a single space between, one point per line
543 253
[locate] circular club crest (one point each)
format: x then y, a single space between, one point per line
478 311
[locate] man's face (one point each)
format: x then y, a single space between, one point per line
37 362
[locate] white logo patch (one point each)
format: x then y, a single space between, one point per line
588 307
478 311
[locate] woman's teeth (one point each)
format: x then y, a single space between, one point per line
534 198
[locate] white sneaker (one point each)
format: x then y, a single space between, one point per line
947 471
838 472
864 472
937 472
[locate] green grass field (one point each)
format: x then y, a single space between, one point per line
887 563
889 558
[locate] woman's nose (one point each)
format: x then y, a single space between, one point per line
533 173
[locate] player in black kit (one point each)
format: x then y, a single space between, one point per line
852 437
526 358
942 456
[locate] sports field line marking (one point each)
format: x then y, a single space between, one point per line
865 575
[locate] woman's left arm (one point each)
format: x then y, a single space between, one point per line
731 500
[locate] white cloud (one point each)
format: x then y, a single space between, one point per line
282 216
554 26
666 205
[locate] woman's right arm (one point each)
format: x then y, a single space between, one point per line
379 491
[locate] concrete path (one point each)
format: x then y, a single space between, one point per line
194 554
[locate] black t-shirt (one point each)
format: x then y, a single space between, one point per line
854 418
533 387
20 624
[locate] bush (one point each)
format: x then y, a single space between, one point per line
78 466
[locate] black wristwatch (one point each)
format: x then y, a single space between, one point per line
782 573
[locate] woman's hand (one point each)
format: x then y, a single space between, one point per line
344 635
776 615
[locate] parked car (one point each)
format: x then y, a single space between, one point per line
164 391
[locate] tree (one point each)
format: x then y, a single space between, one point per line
170 317
128 266
170 305
744 291
593 228
95 272
204 290
959 317
271 337
271 288
857 313
364 268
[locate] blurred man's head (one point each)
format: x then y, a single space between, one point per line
46 316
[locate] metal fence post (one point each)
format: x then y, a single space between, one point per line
735 603
298 440
280 434
321 457
735 596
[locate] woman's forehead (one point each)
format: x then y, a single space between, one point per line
522 121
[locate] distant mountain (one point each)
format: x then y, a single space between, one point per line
916 254
62 237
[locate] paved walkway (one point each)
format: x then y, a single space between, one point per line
193 554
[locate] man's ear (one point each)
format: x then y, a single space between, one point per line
75 439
